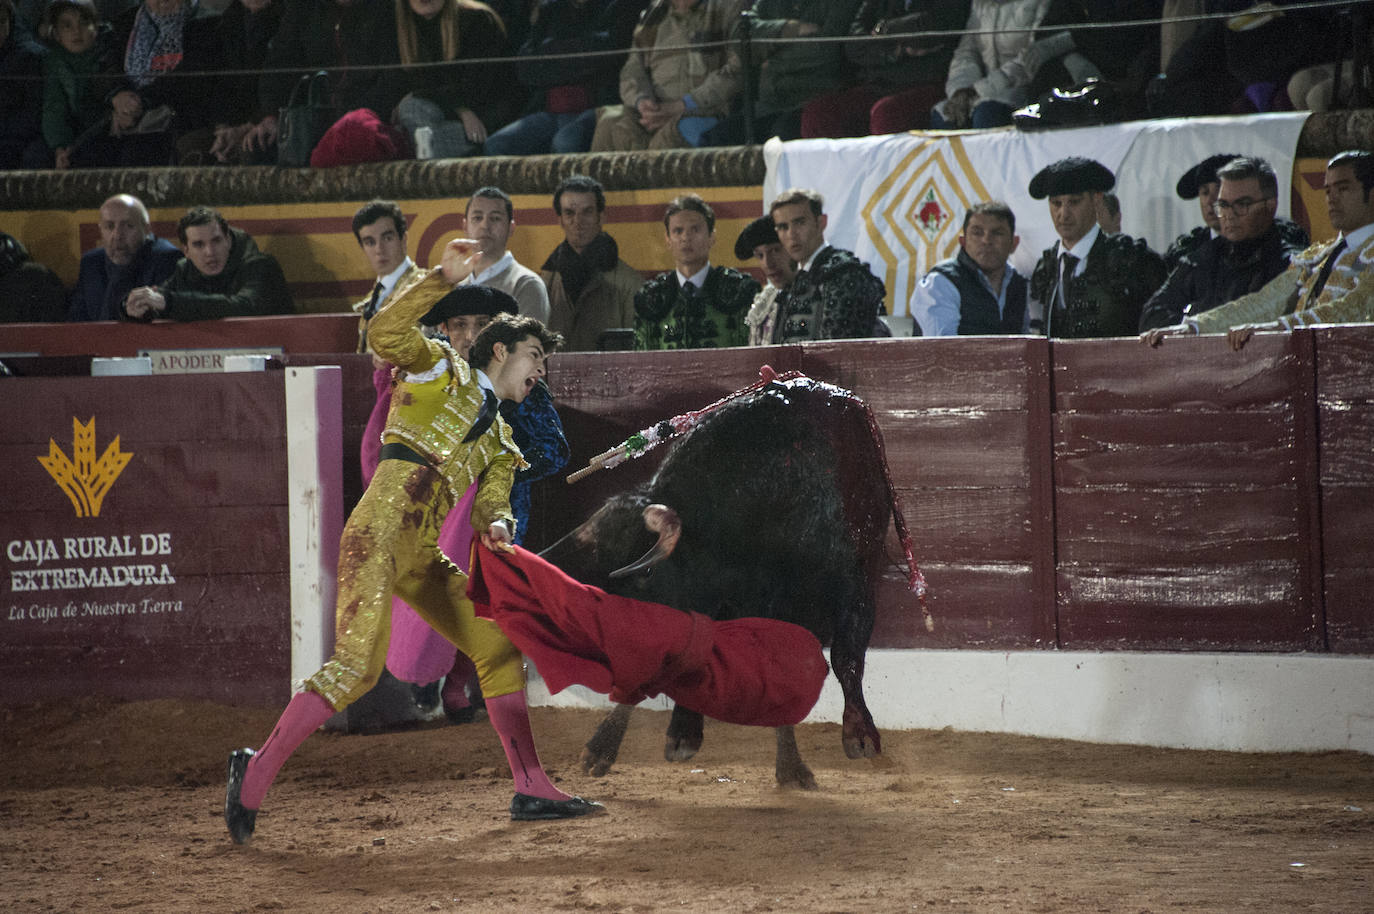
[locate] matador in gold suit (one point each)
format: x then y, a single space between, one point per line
444 433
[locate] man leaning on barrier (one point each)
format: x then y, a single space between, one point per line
1329 283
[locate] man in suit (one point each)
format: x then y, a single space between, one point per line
833 296
1089 283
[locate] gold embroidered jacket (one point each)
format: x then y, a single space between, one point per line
1347 297
436 401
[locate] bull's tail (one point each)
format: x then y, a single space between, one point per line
915 580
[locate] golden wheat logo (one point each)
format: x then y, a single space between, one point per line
85 480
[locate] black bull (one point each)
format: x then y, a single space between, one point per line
776 505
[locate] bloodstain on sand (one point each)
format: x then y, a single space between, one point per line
111 807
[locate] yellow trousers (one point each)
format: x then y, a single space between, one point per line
390 545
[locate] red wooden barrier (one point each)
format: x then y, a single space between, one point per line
1088 495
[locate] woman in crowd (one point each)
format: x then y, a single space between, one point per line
450 110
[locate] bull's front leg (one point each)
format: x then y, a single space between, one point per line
791 771
601 750
684 735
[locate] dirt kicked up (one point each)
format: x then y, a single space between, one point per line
112 807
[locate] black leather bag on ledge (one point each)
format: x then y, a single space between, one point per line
1086 105
304 120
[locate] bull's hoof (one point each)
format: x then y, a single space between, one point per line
796 777
859 735
594 764
680 750
861 748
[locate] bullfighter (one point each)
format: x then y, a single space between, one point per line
443 434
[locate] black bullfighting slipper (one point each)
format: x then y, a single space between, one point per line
525 808
240 819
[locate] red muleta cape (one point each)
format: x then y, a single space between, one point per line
761 672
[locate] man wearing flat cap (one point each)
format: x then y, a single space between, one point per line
1090 283
697 305
760 239
461 315
1202 183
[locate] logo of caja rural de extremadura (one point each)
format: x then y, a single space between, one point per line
85 479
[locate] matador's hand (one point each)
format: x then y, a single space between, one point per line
498 538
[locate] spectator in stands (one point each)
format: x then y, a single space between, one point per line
490 219
1089 283
1250 251
1235 65
80 66
245 31
790 73
1329 283
456 105
29 291
991 72
21 103
591 289
834 296
380 228
671 96
222 275
1201 183
326 35
1109 213
977 292
164 42
895 81
129 257
696 306
760 239
566 93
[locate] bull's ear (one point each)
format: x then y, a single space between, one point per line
664 521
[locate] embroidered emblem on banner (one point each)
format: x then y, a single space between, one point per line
85 479
911 217
931 214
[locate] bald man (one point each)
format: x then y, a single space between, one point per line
129 257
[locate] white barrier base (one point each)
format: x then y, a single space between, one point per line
1234 702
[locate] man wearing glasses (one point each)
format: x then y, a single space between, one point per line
1329 283
1249 251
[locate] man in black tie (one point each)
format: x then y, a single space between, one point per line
1328 283
834 295
1089 283
697 305
380 229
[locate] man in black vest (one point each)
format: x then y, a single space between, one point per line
976 292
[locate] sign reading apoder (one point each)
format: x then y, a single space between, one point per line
192 361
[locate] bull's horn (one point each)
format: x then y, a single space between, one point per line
664 521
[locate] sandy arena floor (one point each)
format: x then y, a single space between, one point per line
114 807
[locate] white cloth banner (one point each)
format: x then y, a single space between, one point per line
898 201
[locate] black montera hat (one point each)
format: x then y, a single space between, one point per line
1073 175
470 299
758 232
1204 172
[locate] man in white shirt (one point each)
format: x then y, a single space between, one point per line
380 228
1329 283
490 221
976 292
